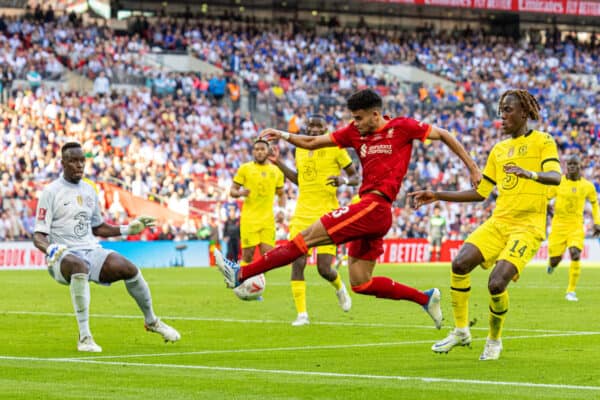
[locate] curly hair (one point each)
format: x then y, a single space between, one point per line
364 100
529 104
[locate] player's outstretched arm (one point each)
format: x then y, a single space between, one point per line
303 141
458 149
133 228
421 197
287 171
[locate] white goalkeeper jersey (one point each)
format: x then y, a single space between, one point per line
66 212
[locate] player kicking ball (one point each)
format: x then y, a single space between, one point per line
67 220
384 146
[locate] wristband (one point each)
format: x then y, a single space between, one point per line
285 135
124 230
345 180
534 176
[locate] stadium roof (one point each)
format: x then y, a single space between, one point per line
570 12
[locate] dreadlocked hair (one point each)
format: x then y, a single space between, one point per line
528 102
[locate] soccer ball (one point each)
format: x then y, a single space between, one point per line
252 288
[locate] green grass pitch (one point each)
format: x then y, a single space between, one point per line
248 350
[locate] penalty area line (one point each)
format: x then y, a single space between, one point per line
286 322
309 348
421 379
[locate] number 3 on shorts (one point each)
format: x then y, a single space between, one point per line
339 212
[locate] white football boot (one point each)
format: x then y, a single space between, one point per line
457 337
168 333
87 343
344 299
571 296
302 319
492 350
433 306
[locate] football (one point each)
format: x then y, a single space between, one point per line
252 288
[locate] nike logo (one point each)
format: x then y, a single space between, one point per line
67 203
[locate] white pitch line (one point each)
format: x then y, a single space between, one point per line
275 321
312 348
313 373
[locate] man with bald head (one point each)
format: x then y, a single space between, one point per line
568 229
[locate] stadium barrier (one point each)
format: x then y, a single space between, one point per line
155 254
164 253
397 251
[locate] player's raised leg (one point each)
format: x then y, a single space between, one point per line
363 282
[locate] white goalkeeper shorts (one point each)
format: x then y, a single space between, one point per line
93 258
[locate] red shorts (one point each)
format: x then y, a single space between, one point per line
363 224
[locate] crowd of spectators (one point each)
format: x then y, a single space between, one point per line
179 137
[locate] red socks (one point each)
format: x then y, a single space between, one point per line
386 288
276 257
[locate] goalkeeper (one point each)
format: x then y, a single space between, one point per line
67 220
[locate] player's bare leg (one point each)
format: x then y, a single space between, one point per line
554 261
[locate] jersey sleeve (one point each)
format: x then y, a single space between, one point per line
240 175
489 176
549 155
44 212
416 129
592 197
341 137
343 159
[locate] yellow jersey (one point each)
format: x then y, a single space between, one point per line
570 201
262 181
314 167
521 202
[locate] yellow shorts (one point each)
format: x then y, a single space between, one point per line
502 241
563 237
256 235
298 224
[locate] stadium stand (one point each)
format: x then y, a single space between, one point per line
176 137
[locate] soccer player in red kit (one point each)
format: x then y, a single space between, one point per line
384 146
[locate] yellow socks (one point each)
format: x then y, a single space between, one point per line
498 310
299 294
574 272
460 291
337 282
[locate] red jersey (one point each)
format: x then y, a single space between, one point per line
385 153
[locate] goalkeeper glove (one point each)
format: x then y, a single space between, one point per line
137 225
53 253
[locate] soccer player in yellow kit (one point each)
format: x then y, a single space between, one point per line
567 224
258 181
318 177
520 167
